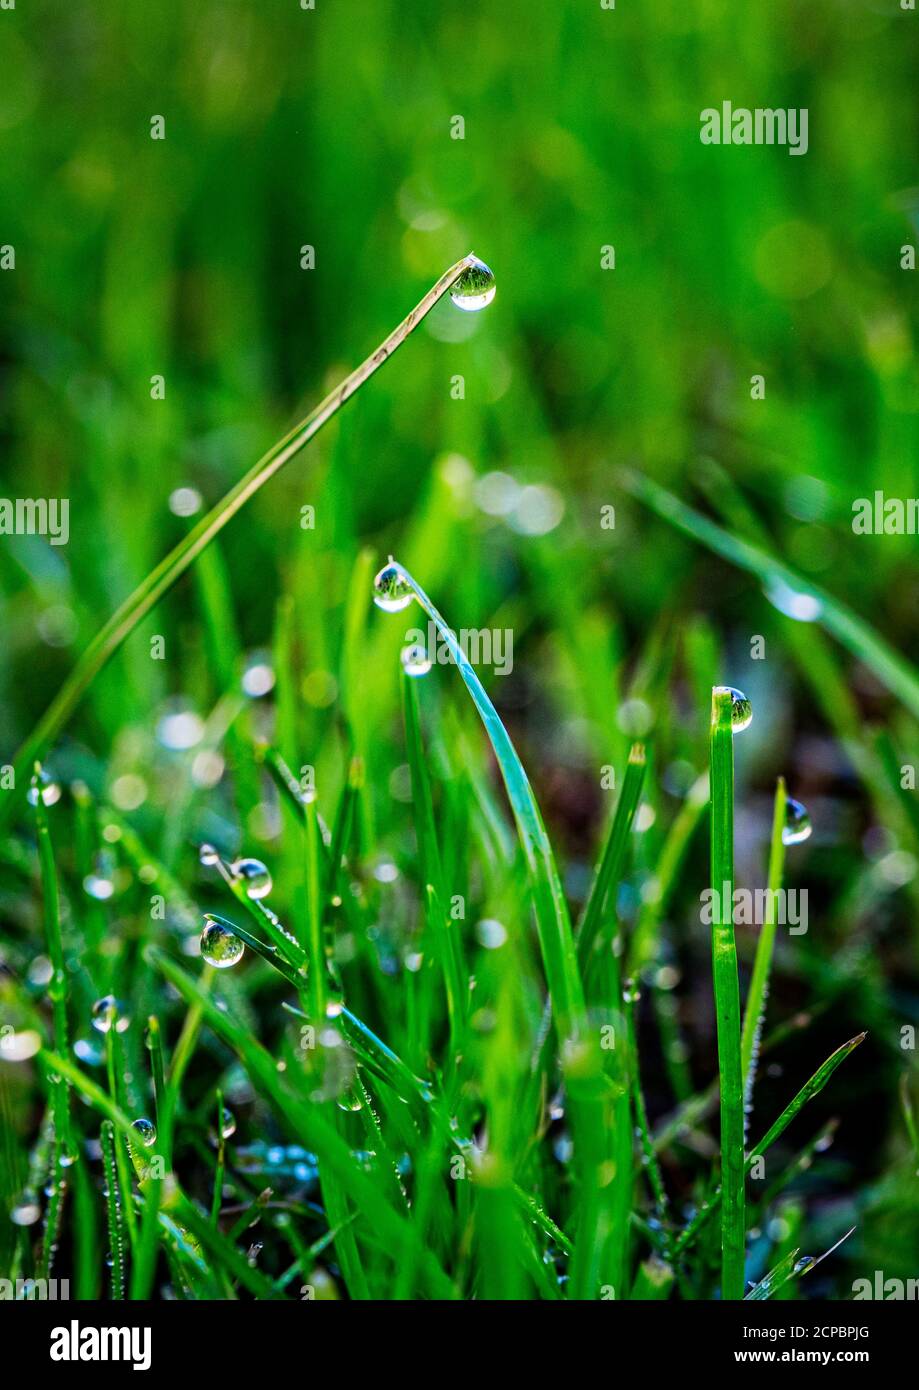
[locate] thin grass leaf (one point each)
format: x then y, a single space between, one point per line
443 939
727 996
134 609
759 982
115 1198
788 1268
811 1088
553 923
643 945
807 1092
612 860
858 636
58 990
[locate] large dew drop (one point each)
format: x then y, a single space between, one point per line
146 1132
741 709
415 660
219 946
475 288
797 825
391 590
255 876
110 1012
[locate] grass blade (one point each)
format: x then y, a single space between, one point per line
114 1206
613 857
847 627
807 1092
161 579
556 938
727 995
759 983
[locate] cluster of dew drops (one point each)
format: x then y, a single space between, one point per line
474 289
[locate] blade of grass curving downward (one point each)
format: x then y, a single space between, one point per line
600 1242
852 631
727 996
759 983
556 938
161 579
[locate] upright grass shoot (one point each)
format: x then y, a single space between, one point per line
727 994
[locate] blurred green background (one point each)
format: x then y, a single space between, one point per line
331 128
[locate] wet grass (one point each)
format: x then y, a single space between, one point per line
474 1045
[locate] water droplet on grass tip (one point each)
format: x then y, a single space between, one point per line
255 877
208 855
475 288
741 709
797 825
110 1011
415 660
219 946
146 1129
227 1123
50 791
391 590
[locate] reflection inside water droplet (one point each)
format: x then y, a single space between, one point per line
797 825
391 590
475 288
741 709
219 946
108 1011
146 1130
255 876
415 660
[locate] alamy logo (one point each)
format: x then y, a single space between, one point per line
481 646
34 1290
762 126
885 1290
36 516
74 1343
885 516
748 907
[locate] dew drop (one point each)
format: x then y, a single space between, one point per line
227 1123
391 590
797 825
26 1211
219 946
49 790
100 884
415 660
475 288
741 709
146 1130
208 855
110 1011
805 1263
255 877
